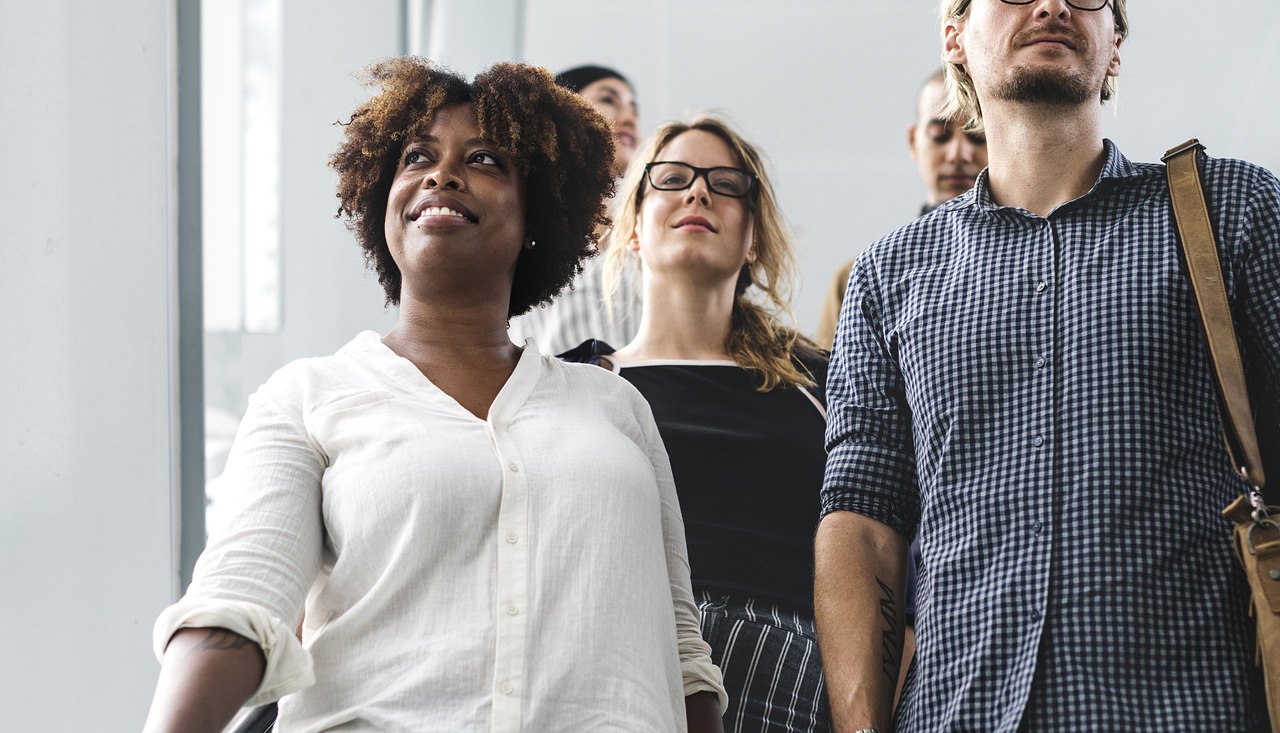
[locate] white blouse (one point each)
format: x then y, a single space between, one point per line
522 573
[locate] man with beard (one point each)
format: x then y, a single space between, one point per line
1021 374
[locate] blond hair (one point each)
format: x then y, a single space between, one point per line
758 338
960 98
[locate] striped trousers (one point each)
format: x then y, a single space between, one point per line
769 657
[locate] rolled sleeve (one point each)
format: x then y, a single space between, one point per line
871 459
289 666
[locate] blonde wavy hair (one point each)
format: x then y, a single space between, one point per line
960 99
759 338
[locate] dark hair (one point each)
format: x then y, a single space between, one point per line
558 142
580 77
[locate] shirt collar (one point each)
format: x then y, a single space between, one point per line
1115 167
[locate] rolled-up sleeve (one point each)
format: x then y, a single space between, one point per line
253 577
870 455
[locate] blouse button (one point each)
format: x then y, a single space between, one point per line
514 466
512 538
505 687
512 610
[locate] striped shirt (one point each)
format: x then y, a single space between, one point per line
579 312
1033 393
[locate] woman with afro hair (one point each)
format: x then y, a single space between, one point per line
476 536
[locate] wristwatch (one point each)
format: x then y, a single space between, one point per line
867 730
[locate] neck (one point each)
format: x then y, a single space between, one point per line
682 319
472 335
1042 157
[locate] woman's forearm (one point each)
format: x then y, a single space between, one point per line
207 674
702 709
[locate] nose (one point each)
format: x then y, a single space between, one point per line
442 175
959 149
1057 8
699 192
626 117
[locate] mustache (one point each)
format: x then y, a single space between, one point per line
1051 29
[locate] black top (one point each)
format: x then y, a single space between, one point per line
748 467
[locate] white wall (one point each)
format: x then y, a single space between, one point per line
827 88
328 296
88 436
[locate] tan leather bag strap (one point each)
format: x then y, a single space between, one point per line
1195 233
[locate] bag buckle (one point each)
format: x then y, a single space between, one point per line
1174 151
1265 524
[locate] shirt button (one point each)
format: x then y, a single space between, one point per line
512 538
1037 526
514 466
1035 615
1037 441
1041 286
512 610
505 687
1040 362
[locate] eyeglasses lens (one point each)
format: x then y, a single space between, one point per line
725 181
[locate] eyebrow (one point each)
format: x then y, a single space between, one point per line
433 139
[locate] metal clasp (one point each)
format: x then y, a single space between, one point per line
1171 152
1266 524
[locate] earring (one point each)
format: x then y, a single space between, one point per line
530 243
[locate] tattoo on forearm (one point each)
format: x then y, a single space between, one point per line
891 636
220 640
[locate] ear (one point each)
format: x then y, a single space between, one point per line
633 244
912 130
953 42
751 254
1113 66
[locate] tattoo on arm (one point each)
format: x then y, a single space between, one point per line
891 636
220 640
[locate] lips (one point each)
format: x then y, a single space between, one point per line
625 139
1054 39
440 205
695 222
1051 34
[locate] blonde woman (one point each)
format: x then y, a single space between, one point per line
738 399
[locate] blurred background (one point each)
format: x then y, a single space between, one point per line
169 237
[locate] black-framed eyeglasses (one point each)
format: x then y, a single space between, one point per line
665 175
1077 4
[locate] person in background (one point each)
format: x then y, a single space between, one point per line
482 537
738 398
582 311
1021 374
949 159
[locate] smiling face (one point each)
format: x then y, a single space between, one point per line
695 230
455 212
1043 52
949 159
614 99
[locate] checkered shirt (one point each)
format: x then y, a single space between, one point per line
1032 393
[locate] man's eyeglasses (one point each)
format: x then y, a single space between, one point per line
723 180
1077 4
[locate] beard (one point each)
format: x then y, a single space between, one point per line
1046 86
